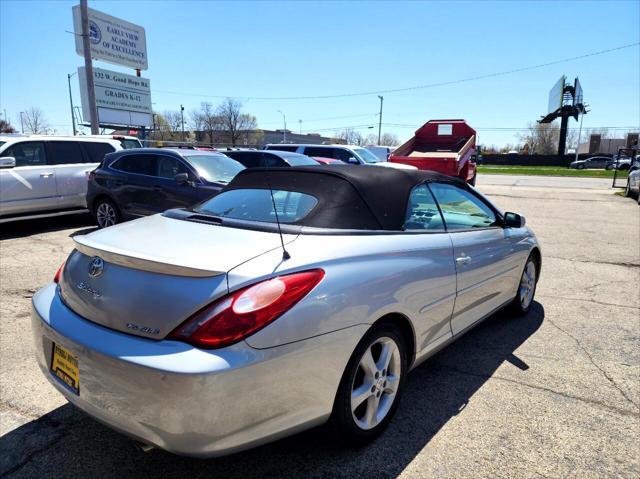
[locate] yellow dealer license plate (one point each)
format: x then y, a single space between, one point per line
64 366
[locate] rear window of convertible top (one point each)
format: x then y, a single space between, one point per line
256 205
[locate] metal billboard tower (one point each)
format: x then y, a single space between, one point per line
565 100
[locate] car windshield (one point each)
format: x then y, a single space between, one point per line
366 155
257 205
215 168
128 144
298 160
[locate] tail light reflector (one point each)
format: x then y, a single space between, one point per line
242 313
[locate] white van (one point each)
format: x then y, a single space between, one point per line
47 175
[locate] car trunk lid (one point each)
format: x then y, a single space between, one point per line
148 276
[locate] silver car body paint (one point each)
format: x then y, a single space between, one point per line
213 402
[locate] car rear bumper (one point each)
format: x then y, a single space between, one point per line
186 400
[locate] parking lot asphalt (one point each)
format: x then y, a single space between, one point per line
553 394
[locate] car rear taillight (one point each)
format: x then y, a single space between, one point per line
242 313
56 277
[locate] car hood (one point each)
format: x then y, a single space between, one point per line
147 276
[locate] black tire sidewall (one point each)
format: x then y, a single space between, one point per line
341 418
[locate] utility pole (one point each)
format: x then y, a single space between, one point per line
182 118
73 118
284 132
21 122
299 121
88 68
380 120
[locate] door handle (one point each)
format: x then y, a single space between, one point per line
463 259
46 175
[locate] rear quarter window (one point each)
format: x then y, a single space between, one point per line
96 151
65 153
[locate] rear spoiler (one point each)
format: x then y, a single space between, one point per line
154 265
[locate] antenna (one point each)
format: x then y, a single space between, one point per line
285 253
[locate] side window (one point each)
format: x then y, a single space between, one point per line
283 148
343 155
422 211
64 153
27 153
272 161
461 209
96 151
249 160
138 164
318 151
169 167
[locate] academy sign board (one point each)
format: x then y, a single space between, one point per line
112 40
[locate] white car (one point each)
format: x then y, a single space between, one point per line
633 184
47 175
381 152
352 154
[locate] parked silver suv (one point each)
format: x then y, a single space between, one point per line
45 175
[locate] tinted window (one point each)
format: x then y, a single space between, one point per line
320 151
65 153
128 144
273 161
96 151
27 153
169 167
256 205
461 209
139 164
422 211
215 168
282 148
250 160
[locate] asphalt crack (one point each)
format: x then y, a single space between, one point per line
588 300
622 412
624 264
604 373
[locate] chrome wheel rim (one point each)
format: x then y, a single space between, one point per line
527 285
105 215
376 383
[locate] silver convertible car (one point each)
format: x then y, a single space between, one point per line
295 297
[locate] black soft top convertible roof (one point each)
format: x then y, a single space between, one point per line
349 196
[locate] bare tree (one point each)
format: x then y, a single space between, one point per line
210 121
541 138
34 120
174 123
351 137
233 122
5 127
389 139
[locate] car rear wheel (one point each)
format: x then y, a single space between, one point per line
580 167
523 300
627 189
106 213
371 386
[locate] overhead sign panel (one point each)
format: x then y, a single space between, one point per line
112 40
121 99
555 95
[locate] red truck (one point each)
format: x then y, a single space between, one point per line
445 146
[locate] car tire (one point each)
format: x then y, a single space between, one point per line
525 294
106 213
609 167
369 391
627 189
580 167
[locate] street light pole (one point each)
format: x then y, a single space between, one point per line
380 120
579 133
182 118
22 122
73 118
284 132
300 122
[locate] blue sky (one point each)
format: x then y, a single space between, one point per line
204 50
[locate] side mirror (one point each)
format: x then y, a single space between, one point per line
513 220
7 162
182 178
352 161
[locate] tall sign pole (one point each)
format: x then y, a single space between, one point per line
88 68
380 120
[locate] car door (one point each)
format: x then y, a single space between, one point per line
484 253
167 191
30 186
133 184
71 167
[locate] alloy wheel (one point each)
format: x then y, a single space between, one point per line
376 383
105 215
527 285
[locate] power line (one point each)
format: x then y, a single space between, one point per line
417 87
